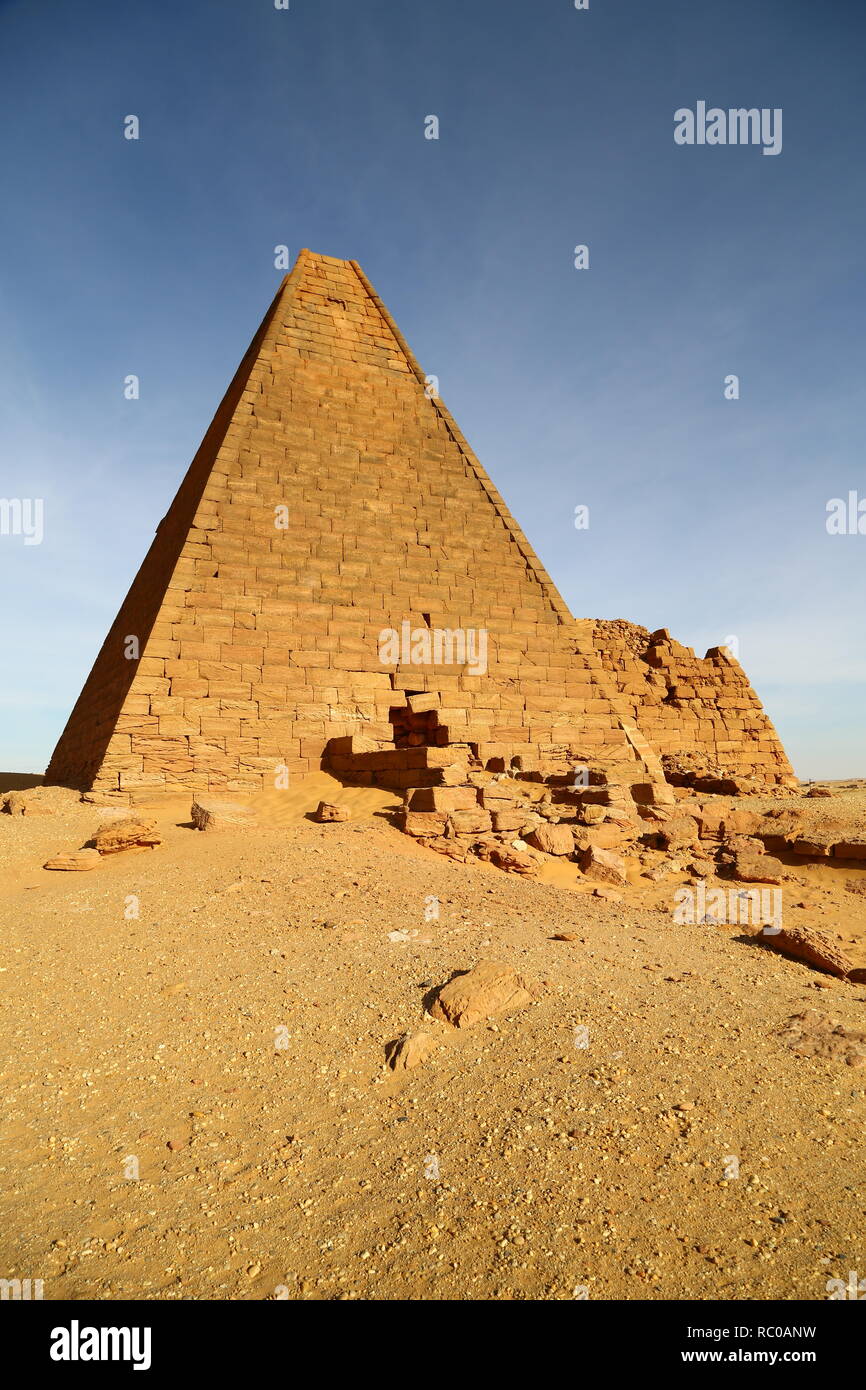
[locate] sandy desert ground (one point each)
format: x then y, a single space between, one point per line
197 1103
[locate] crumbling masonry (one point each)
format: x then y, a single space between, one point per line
333 498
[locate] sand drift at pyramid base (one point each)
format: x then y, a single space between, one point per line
338 584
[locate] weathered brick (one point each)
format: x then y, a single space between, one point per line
263 638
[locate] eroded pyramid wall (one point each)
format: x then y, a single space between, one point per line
688 707
259 644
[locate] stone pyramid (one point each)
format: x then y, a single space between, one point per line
337 578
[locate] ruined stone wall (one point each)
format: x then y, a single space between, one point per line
261 643
688 705
333 498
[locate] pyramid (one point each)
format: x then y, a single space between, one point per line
336 565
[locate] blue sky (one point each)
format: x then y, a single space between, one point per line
601 387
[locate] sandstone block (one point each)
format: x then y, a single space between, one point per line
813 947
497 795
211 813
603 866
75 860
850 849
513 861
814 847
424 823
552 839
601 836
129 834
508 820
750 866
678 832
421 704
442 799
474 822
489 988
410 1051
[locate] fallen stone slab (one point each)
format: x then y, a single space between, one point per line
488 988
327 812
849 849
711 822
75 861
812 947
410 1051
552 839
449 846
513 861
757 868
623 817
212 814
603 866
740 822
442 799
746 861
818 847
423 824
658 872
608 835
727 786
654 793
677 832
122 835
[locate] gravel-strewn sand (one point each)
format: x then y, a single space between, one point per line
307 1169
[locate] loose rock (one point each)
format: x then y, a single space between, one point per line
603 866
126 835
410 1051
552 839
76 860
811 946
489 988
211 814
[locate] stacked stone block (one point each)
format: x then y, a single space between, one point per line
259 644
692 710
331 500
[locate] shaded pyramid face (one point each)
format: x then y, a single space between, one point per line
334 545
